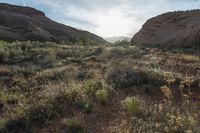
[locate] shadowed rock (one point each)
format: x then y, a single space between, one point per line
25 23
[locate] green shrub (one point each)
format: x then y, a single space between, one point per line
74 126
102 96
131 105
91 87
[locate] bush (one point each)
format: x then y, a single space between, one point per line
102 96
83 74
74 126
16 54
116 53
131 105
40 115
62 54
87 107
16 125
120 53
54 76
91 87
3 55
96 52
124 76
45 57
166 118
33 117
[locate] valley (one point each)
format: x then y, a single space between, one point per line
55 78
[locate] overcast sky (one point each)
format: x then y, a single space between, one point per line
106 17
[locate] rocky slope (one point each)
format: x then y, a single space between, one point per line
181 28
25 23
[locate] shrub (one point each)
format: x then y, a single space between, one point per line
83 74
3 55
81 104
88 107
91 87
19 81
124 76
16 54
131 105
166 118
169 116
96 52
45 57
74 126
16 125
54 75
40 115
120 53
61 53
116 53
102 95
3 100
33 117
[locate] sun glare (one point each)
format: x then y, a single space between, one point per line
112 23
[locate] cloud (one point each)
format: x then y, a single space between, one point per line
109 17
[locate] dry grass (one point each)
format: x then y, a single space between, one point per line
42 83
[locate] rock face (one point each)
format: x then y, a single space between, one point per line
181 28
25 23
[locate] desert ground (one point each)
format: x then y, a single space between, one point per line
65 88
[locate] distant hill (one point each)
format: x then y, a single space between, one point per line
181 28
25 23
119 38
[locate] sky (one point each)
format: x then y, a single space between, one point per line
106 18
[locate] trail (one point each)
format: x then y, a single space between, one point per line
107 119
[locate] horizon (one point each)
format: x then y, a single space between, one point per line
106 18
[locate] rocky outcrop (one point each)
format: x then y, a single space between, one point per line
181 28
25 23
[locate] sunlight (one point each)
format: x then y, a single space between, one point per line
113 24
